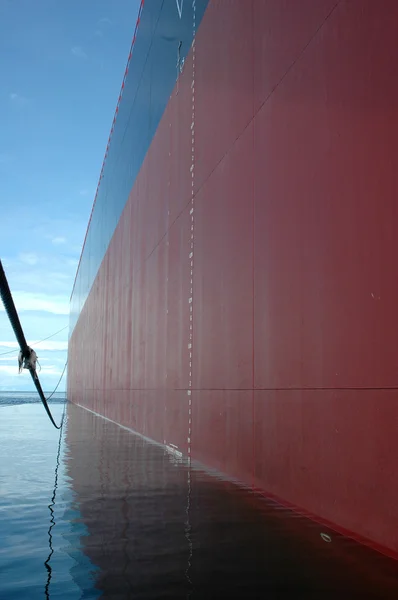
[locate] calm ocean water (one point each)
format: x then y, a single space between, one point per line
100 513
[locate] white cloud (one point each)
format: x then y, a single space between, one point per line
58 240
50 370
78 52
40 272
47 345
27 301
51 346
18 99
53 359
45 370
48 272
8 369
8 345
28 258
105 21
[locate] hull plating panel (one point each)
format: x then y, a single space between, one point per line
245 308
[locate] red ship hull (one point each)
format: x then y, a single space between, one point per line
244 309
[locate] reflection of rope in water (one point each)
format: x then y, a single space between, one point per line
126 535
188 529
50 506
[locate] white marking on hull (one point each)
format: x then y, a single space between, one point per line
180 4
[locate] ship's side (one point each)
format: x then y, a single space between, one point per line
237 293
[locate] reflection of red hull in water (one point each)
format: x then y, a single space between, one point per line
283 260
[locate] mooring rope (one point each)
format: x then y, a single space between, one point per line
11 311
59 381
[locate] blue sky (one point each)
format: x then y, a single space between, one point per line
62 67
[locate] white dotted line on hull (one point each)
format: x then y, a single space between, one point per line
192 217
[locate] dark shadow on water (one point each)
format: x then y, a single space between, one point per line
157 528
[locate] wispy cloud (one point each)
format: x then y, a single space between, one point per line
8 369
50 370
48 272
104 22
11 370
18 99
78 52
58 240
28 301
83 192
29 258
47 345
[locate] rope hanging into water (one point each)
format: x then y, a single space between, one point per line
59 381
11 311
51 509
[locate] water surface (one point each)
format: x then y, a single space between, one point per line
117 517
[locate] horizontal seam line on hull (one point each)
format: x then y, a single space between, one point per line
256 389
